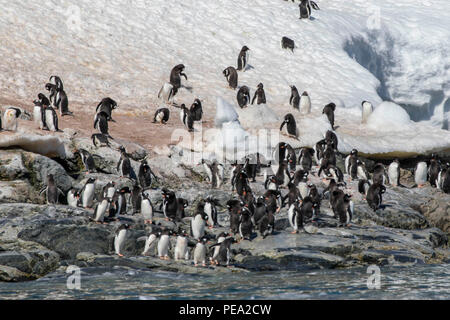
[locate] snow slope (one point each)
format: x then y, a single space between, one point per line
349 52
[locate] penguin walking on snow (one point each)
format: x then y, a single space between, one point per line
119 240
243 58
294 101
291 125
196 110
367 109
260 94
305 8
329 110
52 191
305 103
232 77
243 96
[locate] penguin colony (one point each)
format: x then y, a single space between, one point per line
287 184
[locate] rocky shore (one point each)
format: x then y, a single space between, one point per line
37 239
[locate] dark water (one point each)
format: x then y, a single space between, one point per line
416 282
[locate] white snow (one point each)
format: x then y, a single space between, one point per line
126 48
389 116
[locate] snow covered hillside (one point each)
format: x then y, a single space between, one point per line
349 52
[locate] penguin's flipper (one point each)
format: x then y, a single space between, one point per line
314 5
42 190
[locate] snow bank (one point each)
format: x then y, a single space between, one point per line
48 145
257 116
389 116
225 112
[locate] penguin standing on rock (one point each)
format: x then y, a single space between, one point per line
150 240
136 199
305 103
164 244
52 191
101 210
243 96
100 140
169 204
420 174
119 240
88 193
87 159
374 196
38 112
291 125
120 200
181 248
394 173
246 224
343 209
379 174
305 159
145 175
196 110
260 94
294 101
351 164
51 119
73 197
443 181
305 8
329 110
243 58
434 169
146 208
187 118
220 238
101 123
232 77
211 211
162 115
124 164
200 252
198 222
224 255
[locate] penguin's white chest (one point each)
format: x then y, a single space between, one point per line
200 253
88 195
120 240
146 209
292 217
72 200
208 171
347 161
303 188
165 93
163 246
208 211
101 210
150 240
393 174
361 173
110 193
217 248
198 227
305 104
37 116
421 173
49 120
181 251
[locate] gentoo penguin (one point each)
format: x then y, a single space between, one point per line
291 158
124 164
198 222
61 101
362 172
182 205
305 103
196 110
243 58
100 140
305 159
107 105
271 183
305 8
88 193
367 110
208 170
200 252
300 176
101 123
211 211
363 187
167 92
240 182
294 100
291 125
51 190
420 174
154 235
293 213
379 174
328 110
303 188
332 139
145 175
119 240
186 118
38 111
51 88
443 181
136 198
220 238
181 247
169 204
260 210
224 255
259 93
73 197
175 77
293 195
162 115
120 201
266 224
343 209
109 190
394 173
351 164
87 159
308 209
234 209
146 208
283 175
434 169
315 196
250 167
287 43
10 117
164 244
374 196
51 119
246 224
232 77
273 200
243 96
319 149
101 210
329 155
218 174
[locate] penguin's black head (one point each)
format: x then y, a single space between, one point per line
49 86
122 149
305 94
354 152
260 86
37 103
245 48
332 106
